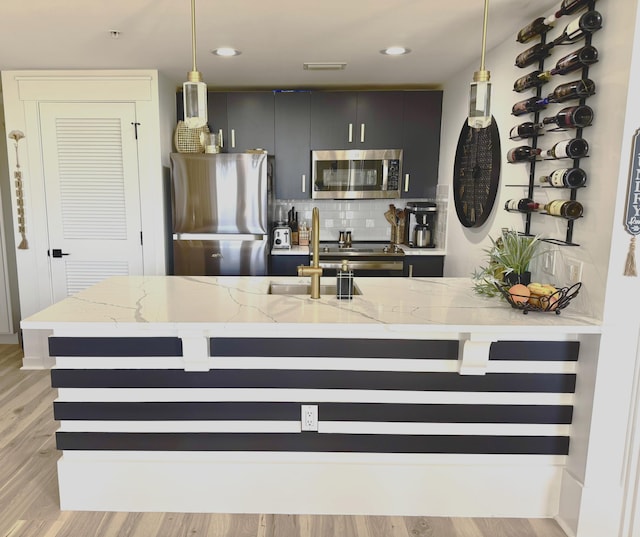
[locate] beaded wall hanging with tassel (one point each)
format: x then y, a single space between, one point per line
632 215
16 136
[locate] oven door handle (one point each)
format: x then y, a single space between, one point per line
364 265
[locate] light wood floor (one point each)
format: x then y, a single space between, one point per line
29 494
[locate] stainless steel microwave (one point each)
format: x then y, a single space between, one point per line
356 173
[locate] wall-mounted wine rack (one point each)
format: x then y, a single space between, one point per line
533 140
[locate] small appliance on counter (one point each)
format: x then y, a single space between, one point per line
281 236
420 222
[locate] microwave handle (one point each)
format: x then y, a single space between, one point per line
406 182
350 132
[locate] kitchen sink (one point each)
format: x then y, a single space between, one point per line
277 288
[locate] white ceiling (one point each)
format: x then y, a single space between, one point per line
276 37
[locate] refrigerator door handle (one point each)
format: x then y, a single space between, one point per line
217 237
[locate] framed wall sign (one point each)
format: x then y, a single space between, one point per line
632 213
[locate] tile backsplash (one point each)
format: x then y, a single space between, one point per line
364 218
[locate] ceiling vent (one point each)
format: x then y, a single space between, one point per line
324 66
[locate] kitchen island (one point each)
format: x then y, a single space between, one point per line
210 394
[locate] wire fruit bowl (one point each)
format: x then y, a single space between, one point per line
554 302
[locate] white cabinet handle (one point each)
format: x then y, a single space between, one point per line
350 132
362 133
304 183
233 138
406 182
220 138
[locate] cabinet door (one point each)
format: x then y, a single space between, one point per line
421 143
292 145
287 265
423 266
217 112
379 120
250 121
333 119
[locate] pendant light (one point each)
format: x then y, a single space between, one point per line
480 94
194 89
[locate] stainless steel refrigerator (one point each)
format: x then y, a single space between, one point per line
219 212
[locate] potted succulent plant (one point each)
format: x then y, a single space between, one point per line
508 261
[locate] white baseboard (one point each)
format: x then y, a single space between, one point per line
9 339
237 486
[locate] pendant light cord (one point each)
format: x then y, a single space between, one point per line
484 33
193 33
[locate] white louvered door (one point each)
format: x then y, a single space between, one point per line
92 193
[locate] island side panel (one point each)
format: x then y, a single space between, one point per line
400 431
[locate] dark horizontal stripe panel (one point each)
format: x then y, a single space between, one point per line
184 410
544 351
313 442
370 412
115 346
327 380
335 348
443 413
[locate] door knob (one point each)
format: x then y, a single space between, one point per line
56 252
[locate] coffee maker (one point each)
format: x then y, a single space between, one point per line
420 221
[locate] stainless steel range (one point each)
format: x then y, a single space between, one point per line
365 258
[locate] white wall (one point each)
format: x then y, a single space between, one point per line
593 232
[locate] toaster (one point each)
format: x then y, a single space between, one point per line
281 237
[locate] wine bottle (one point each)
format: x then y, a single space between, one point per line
532 104
532 80
568 7
524 205
578 89
571 148
572 117
538 27
535 53
575 60
565 178
527 129
580 27
542 25
566 208
523 153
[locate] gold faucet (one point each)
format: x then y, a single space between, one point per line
315 270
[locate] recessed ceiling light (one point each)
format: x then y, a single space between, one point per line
226 51
395 51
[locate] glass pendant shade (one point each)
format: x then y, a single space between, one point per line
195 104
194 90
480 92
480 105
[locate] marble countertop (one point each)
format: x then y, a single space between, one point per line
396 304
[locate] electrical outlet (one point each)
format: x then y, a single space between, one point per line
309 417
549 262
574 270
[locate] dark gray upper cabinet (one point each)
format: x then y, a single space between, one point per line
292 169
245 119
421 143
356 120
